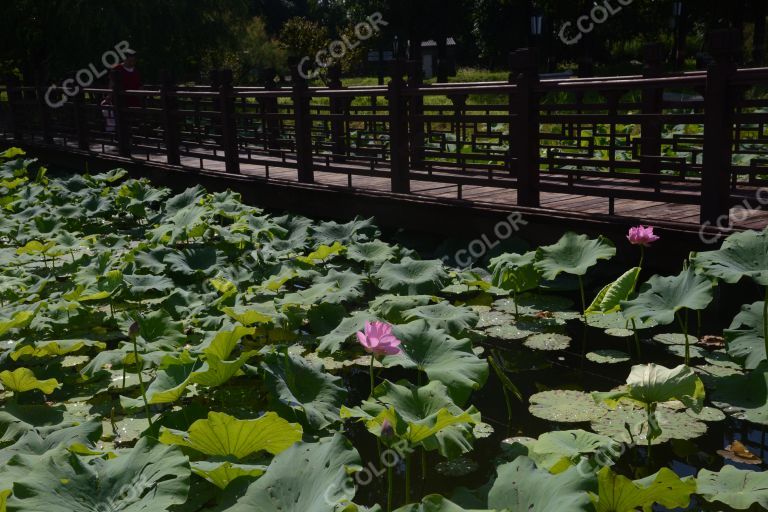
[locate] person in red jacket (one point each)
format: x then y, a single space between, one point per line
130 78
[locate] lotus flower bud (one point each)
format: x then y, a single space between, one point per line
133 331
387 431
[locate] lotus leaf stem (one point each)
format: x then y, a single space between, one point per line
390 491
373 382
407 477
684 328
139 366
583 300
765 321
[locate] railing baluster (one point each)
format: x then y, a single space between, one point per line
122 117
303 126
228 123
398 131
170 120
652 103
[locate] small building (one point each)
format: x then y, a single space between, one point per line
429 57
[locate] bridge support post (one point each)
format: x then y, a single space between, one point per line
415 113
303 125
398 131
228 122
122 117
718 128
652 104
14 99
170 119
524 124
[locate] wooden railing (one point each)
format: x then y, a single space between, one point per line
693 138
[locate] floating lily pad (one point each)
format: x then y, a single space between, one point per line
548 342
619 333
608 356
708 415
625 418
493 317
675 339
565 406
457 467
694 351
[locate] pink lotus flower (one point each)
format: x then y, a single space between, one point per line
642 235
378 339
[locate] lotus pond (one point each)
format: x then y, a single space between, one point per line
190 352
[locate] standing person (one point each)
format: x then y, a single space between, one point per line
130 78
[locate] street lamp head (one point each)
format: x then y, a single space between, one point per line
537 22
677 8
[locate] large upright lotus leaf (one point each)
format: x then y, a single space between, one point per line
21 380
521 487
443 315
307 477
253 314
224 435
515 272
332 288
661 297
744 396
158 331
570 445
301 390
196 261
573 254
421 415
215 372
322 253
745 337
64 482
16 420
737 488
222 343
17 320
441 357
392 307
333 341
654 384
54 348
373 253
139 284
434 503
742 254
411 277
617 493
610 297
169 385
358 230
38 442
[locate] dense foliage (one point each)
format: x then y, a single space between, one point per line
189 352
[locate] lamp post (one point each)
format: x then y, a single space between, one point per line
678 26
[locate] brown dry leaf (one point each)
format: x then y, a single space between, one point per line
737 452
545 314
713 342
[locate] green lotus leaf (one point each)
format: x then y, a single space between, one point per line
608 357
322 253
565 406
744 396
19 320
441 357
573 254
742 254
515 272
223 343
300 390
609 299
373 254
56 348
16 420
221 474
39 442
307 477
521 487
139 284
745 337
557 451
253 314
737 488
333 341
452 319
168 387
434 503
61 481
617 493
194 262
411 277
332 288
358 230
548 341
392 307
627 422
21 380
662 297
224 435
420 415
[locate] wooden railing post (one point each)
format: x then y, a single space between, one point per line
398 130
122 116
524 124
171 131
303 126
81 120
269 109
718 128
652 104
415 114
45 115
338 111
14 107
228 122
